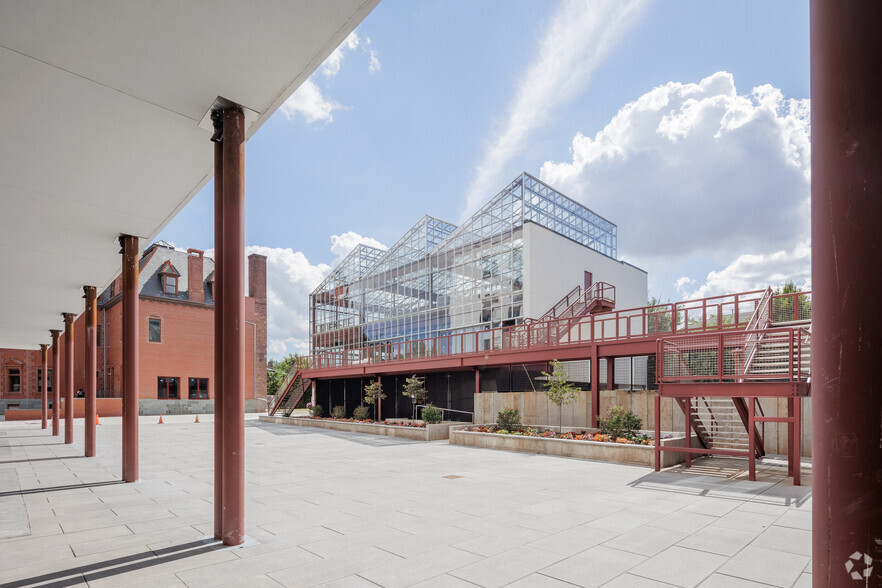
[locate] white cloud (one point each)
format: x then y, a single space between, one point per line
575 43
331 66
309 102
755 272
291 277
697 169
374 65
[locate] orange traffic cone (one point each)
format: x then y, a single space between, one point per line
197 418
97 422
160 420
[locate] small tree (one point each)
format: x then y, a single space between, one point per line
415 389
372 393
559 390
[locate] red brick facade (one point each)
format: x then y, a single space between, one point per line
185 348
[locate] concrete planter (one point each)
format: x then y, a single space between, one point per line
429 433
643 455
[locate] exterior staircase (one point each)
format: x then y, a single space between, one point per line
290 392
559 319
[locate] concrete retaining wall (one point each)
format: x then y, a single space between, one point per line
643 455
153 406
536 410
430 433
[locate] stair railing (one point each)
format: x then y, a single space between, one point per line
761 319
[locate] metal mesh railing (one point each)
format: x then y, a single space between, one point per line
793 307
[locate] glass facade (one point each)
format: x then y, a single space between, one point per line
439 279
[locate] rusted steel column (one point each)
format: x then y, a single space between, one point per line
217 292
56 388
797 445
595 386
846 58
68 376
658 432
232 262
91 360
130 347
44 386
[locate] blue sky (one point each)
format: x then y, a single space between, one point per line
439 103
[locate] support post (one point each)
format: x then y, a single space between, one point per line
44 386
846 186
595 386
91 360
130 356
56 377
68 377
218 336
232 262
658 432
751 436
687 411
380 399
797 441
477 381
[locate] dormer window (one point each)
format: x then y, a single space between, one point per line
168 279
170 284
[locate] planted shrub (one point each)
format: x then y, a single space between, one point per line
508 419
338 412
317 411
432 415
621 423
361 413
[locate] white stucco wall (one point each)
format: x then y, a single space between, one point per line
554 265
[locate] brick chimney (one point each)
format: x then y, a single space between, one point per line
195 287
257 290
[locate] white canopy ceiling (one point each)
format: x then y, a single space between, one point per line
100 105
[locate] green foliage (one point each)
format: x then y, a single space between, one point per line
782 308
338 412
621 423
317 411
508 418
415 389
361 413
372 393
432 415
277 370
558 388
658 316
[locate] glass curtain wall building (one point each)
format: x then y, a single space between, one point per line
439 279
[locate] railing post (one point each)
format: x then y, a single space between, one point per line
720 357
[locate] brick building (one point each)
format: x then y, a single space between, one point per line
176 313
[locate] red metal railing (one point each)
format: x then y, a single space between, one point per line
694 316
781 355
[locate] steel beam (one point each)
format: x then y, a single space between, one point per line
56 388
232 262
846 58
91 360
44 386
130 357
68 377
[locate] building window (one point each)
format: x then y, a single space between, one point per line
154 329
198 388
170 284
98 336
167 388
13 380
40 380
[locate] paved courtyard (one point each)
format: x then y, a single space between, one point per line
335 509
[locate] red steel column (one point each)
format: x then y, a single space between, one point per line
91 359
44 386
56 388
379 399
232 262
68 376
595 385
846 58
130 346
217 292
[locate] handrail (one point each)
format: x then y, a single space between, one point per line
713 314
722 342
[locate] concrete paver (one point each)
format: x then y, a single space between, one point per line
326 508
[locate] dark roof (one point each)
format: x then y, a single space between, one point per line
163 259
